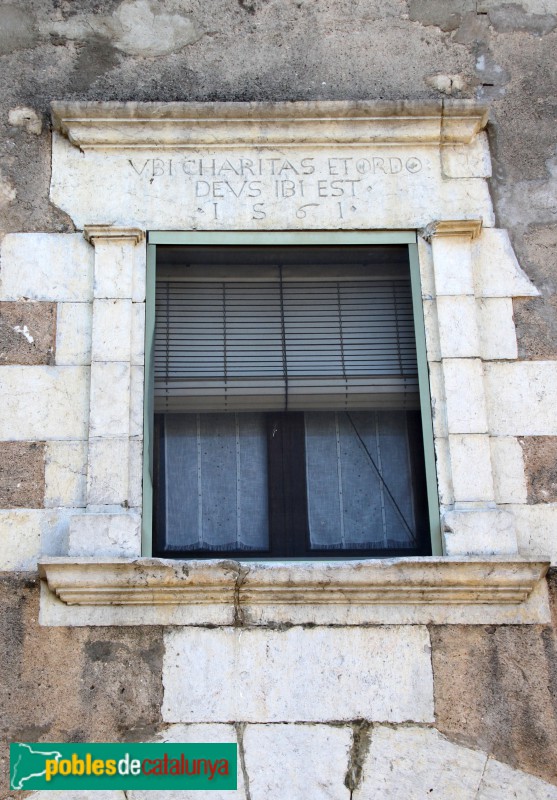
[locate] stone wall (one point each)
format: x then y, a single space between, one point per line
356 711
319 712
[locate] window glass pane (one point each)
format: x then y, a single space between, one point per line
359 481
216 482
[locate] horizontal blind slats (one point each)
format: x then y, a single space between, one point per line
259 345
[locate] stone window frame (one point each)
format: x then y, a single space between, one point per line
480 576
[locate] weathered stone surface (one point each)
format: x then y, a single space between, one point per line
105 535
497 272
22 474
73 334
20 539
101 685
464 394
142 192
536 529
540 465
500 590
43 266
500 780
27 333
481 531
287 761
497 330
414 763
508 469
108 472
452 264
65 474
43 403
521 397
495 690
110 399
471 161
471 468
458 328
197 733
438 399
25 534
316 675
138 334
111 330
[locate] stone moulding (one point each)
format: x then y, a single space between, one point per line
431 580
91 125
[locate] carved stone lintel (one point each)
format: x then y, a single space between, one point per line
452 227
111 232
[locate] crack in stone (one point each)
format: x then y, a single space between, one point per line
240 729
361 740
242 573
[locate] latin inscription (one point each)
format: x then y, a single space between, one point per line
304 184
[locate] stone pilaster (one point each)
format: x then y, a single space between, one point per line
474 525
112 523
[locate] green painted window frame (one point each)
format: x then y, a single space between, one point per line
283 238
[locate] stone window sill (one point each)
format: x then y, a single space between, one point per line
440 590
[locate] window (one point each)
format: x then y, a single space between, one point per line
287 418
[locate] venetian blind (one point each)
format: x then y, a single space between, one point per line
281 339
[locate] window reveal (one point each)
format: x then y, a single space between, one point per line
286 397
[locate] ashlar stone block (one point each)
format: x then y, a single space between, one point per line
414 763
452 262
471 468
46 266
464 393
458 329
25 535
191 734
479 532
113 269
443 469
500 781
105 535
65 474
431 324
497 272
438 402
138 334
467 160
44 403
316 675
497 330
508 470
73 334
110 399
136 401
20 539
521 398
536 529
108 473
111 330
297 761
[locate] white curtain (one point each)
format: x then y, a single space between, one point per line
216 482
358 480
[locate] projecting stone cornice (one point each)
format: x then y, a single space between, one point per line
92 125
431 580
